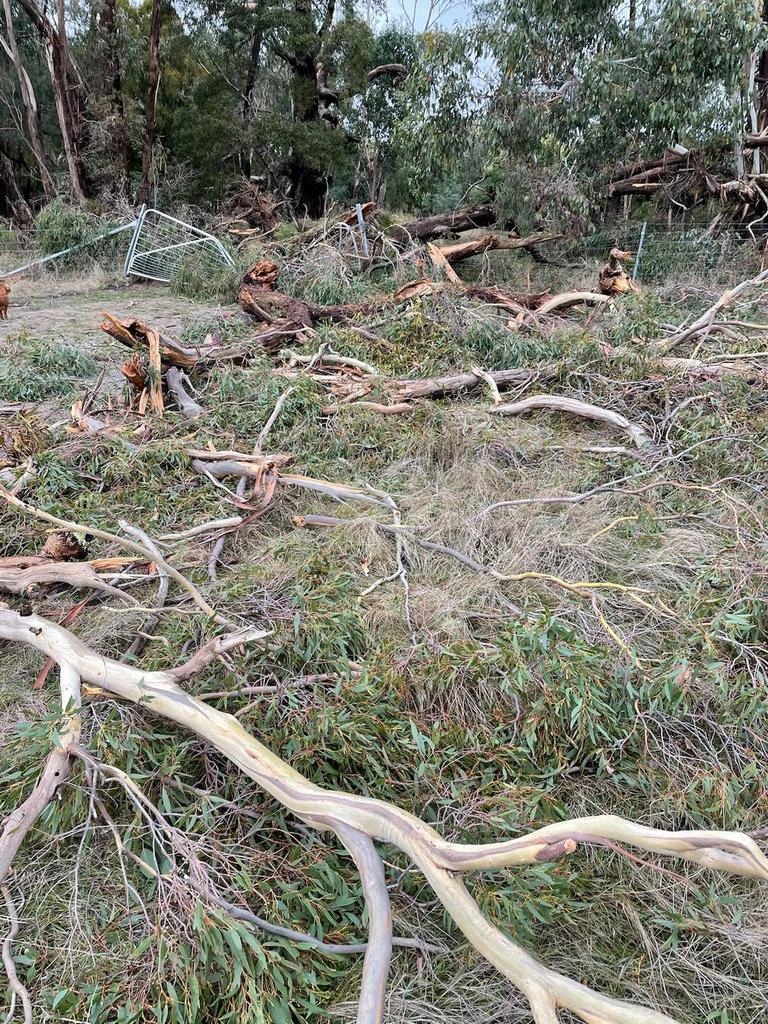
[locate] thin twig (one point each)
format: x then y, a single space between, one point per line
17 986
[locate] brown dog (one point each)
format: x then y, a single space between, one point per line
5 291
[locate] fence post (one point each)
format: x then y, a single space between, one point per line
636 266
363 232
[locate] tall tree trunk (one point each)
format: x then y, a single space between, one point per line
761 80
67 94
10 191
115 86
309 186
254 61
153 83
29 100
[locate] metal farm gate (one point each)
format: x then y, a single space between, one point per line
161 244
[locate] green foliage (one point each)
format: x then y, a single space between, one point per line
562 109
32 369
195 278
60 226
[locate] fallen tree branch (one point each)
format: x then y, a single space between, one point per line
137 335
55 771
139 641
18 988
568 299
341 492
728 365
199 877
441 263
423 230
707 318
190 409
386 410
440 860
492 243
72 574
327 359
379 953
576 408
437 387
132 545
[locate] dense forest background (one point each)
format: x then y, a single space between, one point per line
530 102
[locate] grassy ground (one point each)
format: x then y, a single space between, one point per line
490 707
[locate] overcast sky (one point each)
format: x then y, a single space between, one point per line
422 14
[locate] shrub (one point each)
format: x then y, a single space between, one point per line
59 226
195 278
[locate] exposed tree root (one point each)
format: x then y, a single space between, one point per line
439 859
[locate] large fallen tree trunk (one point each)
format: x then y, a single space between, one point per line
441 861
647 176
423 230
490 243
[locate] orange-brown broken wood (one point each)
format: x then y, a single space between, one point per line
614 280
440 261
135 334
155 373
134 372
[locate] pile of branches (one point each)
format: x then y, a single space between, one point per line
252 211
160 366
685 178
281 315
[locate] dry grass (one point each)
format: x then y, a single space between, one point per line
500 704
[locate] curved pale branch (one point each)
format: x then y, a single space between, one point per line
439 859
571 299
373 991
18 988
576 408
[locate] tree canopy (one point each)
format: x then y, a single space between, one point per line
529 100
